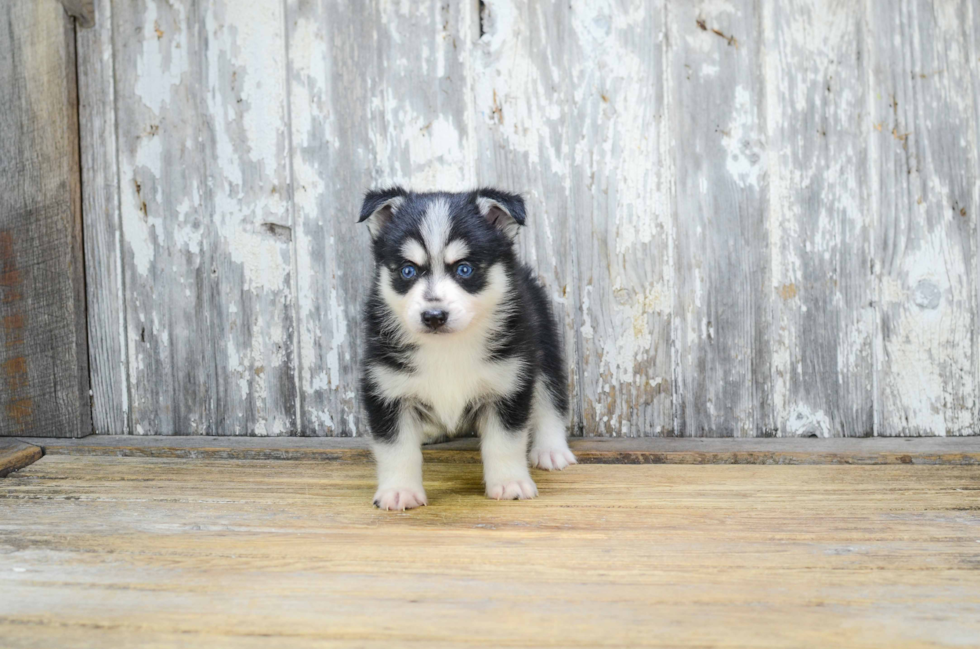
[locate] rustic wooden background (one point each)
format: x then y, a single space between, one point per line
754 217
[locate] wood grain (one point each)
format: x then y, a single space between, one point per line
521 92
205 216
753 218
44 378
594 450
134 552
105 294
379 97
820 218
15 455
723 298
620 181
925 158
83 11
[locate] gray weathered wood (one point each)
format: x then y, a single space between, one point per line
723 296
379 97
521 93
621 214
204 188
83 11
724 203
924 148
43 355
820 221
103 235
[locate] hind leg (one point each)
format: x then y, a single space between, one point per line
549 441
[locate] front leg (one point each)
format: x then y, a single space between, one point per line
398 454
503 445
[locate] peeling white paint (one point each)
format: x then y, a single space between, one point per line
237 222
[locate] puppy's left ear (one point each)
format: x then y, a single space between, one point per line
379 207
504 211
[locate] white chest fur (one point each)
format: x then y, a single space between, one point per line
450 374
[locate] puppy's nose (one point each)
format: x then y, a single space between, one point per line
434 318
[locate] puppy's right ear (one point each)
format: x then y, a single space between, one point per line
379 207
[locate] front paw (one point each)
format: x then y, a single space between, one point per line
552 459
400 498
518 489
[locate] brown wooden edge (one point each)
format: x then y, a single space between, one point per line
15 455
964 451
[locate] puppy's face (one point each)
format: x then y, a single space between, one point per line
442 258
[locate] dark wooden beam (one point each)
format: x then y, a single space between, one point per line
44 383
15 455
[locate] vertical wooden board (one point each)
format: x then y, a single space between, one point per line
204 185
166 233
100 218
722 303
43 355
248 179
925 160
379 95
973 15
621 216
521 117
820 220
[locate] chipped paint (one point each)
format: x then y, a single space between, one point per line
743 226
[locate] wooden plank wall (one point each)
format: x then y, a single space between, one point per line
44 374
754 217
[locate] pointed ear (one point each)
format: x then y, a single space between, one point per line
379 207
504 211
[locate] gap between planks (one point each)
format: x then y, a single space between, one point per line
865 451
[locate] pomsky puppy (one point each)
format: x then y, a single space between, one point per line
459 335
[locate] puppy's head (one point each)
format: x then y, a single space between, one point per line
444 260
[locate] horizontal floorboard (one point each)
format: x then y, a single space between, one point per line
151 552
959 450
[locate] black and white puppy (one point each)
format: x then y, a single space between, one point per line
459 335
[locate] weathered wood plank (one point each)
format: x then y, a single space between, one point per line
723 296
252 293
166 231
740 306
43 355
83 11
379 96
106 300
820 218
124 552
594 450
520 120
15 455
924 148
621 214
203 141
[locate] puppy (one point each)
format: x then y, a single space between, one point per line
458 335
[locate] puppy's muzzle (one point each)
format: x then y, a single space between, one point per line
434 319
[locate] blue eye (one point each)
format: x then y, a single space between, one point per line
408 271
464 270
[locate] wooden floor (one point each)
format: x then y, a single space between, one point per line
100 551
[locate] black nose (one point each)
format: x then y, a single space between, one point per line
435 318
